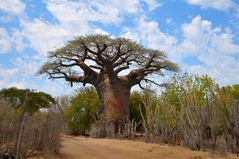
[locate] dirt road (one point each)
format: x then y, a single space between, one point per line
90 148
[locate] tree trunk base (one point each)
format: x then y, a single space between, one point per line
106 128
116 128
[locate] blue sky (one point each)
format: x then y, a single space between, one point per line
202 36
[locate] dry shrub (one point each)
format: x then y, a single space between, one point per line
99 128
40 135
104 128
8 120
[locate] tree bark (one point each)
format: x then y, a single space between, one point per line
20 128
114 95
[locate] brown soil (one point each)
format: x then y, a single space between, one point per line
91 148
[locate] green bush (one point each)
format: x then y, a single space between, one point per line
83 111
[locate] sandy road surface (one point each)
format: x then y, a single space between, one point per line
90 148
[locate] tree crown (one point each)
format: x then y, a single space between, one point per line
33 100
100 55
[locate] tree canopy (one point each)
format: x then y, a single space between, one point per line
98 55
32 99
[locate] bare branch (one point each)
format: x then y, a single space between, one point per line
98 62
68 65
99 53
110 57
122 60
95 67
67 58
150 61
117 54
151 81
141 86
85 67
121 69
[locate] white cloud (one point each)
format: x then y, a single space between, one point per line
5 41
152 4
19 85
74 19
196 35
216 4
44 37
100 31
28 65
7 73
105 11
13 40
55 88
13 7
18 41
23 75
224 43
223 68
126 6
200 36
148 33
2 83
9 78
73 12
214 47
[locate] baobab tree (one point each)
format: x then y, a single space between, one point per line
103 62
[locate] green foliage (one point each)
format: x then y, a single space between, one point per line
193 111
224 99
32 99
189 94
135 102
75 47
232 91
183 84
83 111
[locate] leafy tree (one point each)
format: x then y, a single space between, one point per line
99 60
183 84
83 111
232 92
27 101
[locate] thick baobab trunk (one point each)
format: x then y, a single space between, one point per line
115 100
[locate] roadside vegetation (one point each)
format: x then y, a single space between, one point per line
195 112
191 111
30 124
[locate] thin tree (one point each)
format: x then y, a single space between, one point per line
99 60
28 102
